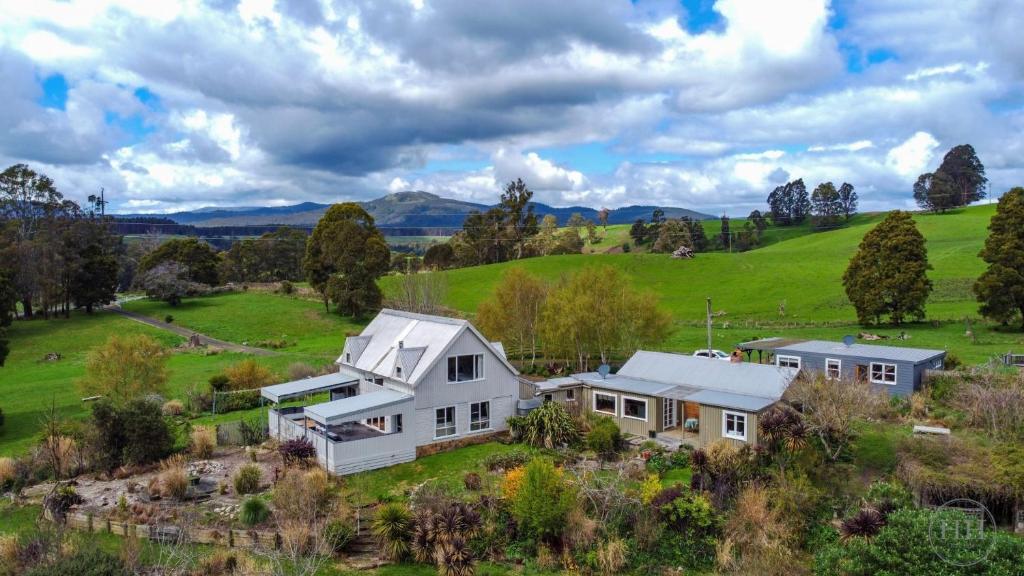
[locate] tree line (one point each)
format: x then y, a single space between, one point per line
790 205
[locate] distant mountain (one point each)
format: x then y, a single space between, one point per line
432 214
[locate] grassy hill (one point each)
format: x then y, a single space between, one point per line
803 272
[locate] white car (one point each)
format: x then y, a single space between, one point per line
716 354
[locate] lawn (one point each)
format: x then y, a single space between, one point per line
447 468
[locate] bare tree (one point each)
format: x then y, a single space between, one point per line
423 293
831 407
992 400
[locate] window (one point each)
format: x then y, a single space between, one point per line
788 361
480 416
833 368
375 380
348 358
377 422
397 421
398 371
635 408
605 403
883 373
570 394
734 425
547 397
445 422
465 368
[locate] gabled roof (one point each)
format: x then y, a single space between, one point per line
895 353
424 339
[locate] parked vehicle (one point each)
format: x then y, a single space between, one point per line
716 354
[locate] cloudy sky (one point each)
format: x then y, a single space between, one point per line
702 104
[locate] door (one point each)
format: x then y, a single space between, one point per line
862 372
669 413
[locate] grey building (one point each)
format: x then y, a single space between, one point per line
407 384
898 370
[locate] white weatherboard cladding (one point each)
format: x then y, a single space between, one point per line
499 386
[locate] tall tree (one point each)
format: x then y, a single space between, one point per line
512 315
848 200
789 204
198 258
726 236
888 274
638 231
967 173
674 233
521 222
1000 289
602 217
698 236
595 314
801 204
94 278
345 256
758 220
439 257
8 297
124 368
826 205
935 191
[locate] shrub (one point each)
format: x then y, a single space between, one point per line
253 511
204 440
338 534
173 408
253 431
507 460
472 481
148 438
174 477
611 556
650 488
549 425
543 502
604 436
302 493
512 482
758 537
300 370
247 479
296 537
168 319
286 287
888 496
243 400
392 527
297 451
247 375
626 247
7 472
85 561
219 382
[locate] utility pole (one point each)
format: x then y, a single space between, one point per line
709 328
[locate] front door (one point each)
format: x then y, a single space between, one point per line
669 413
862 372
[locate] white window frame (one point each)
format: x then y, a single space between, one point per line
895 373
635 399
725 425
839 368
478 368
480 420
374 380
778 361
614 397
454 425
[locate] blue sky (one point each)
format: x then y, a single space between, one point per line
699 103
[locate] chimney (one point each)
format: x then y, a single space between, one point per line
401 344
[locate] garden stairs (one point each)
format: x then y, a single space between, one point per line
363 553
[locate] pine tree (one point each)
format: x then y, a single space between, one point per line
1000 289
888 274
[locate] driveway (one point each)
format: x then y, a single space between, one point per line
186 333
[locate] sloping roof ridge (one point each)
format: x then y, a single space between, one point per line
425 317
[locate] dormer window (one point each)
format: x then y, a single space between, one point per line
348 357
398 371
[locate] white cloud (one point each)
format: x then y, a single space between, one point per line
912 156
848 147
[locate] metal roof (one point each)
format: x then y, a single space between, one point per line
622 383
330 412
434 334
729 400
767 344
762 380
896 353
556 383
280 392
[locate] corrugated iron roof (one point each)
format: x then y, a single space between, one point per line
729 400
762 380
896 353
332 412
305 386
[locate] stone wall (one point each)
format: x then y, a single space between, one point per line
429 449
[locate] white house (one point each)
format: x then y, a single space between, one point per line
406 383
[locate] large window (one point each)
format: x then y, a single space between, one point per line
734 425
445 422
833 368
465 368
605 403
883 373
634 408
480 416
788 361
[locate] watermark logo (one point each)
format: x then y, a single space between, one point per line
960 532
